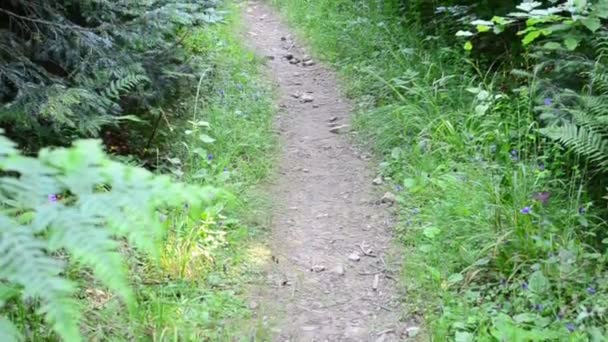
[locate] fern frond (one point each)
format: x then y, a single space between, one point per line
106 201
581 140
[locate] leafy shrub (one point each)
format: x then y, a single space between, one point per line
67 68
504 235
75 206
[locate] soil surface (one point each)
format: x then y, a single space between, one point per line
333 276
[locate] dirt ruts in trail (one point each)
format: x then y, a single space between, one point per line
333 278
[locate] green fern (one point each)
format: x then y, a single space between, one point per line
580 120
103 201
582 140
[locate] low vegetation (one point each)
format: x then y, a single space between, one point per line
492 128
93 249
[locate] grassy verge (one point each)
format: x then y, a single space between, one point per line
502 241
223 138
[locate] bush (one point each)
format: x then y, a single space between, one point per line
69 68
75 207
504 229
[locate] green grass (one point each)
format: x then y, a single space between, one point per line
485 258
223 138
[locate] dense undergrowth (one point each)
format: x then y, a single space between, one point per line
503 227
223 138
158 261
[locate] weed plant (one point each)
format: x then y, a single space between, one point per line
222 137
502 241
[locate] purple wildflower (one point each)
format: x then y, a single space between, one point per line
524 285
591 290
571 327
210 157
525 210
548 101
582 210
514 155
52 198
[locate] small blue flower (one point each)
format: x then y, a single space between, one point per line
591 290
225 169
541 166
210 157
52 198
525 210
524 285
571 327
514 155
582 210
539 307
548 101
399 188
492 149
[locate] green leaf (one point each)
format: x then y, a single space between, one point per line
468 46
592 23
552 46
409 183
571 43
482 28
206 139
538 283
455 278
464 336
462 33
530 37
524 318
431 232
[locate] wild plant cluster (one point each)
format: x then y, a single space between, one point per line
72 218
69 68
492 119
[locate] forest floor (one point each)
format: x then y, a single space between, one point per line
334 271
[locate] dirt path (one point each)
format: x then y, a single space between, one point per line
332 279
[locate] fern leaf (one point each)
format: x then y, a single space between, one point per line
581 140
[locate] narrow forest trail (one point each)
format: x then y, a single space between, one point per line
332 277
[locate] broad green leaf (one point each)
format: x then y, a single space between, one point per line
482 22
571 43
464 336
501 20
483 28
593 24
538 283
468 46
455 278
481 109
552 46
206 139
409 183
462 33
524 318
528 6
530 37
431 232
